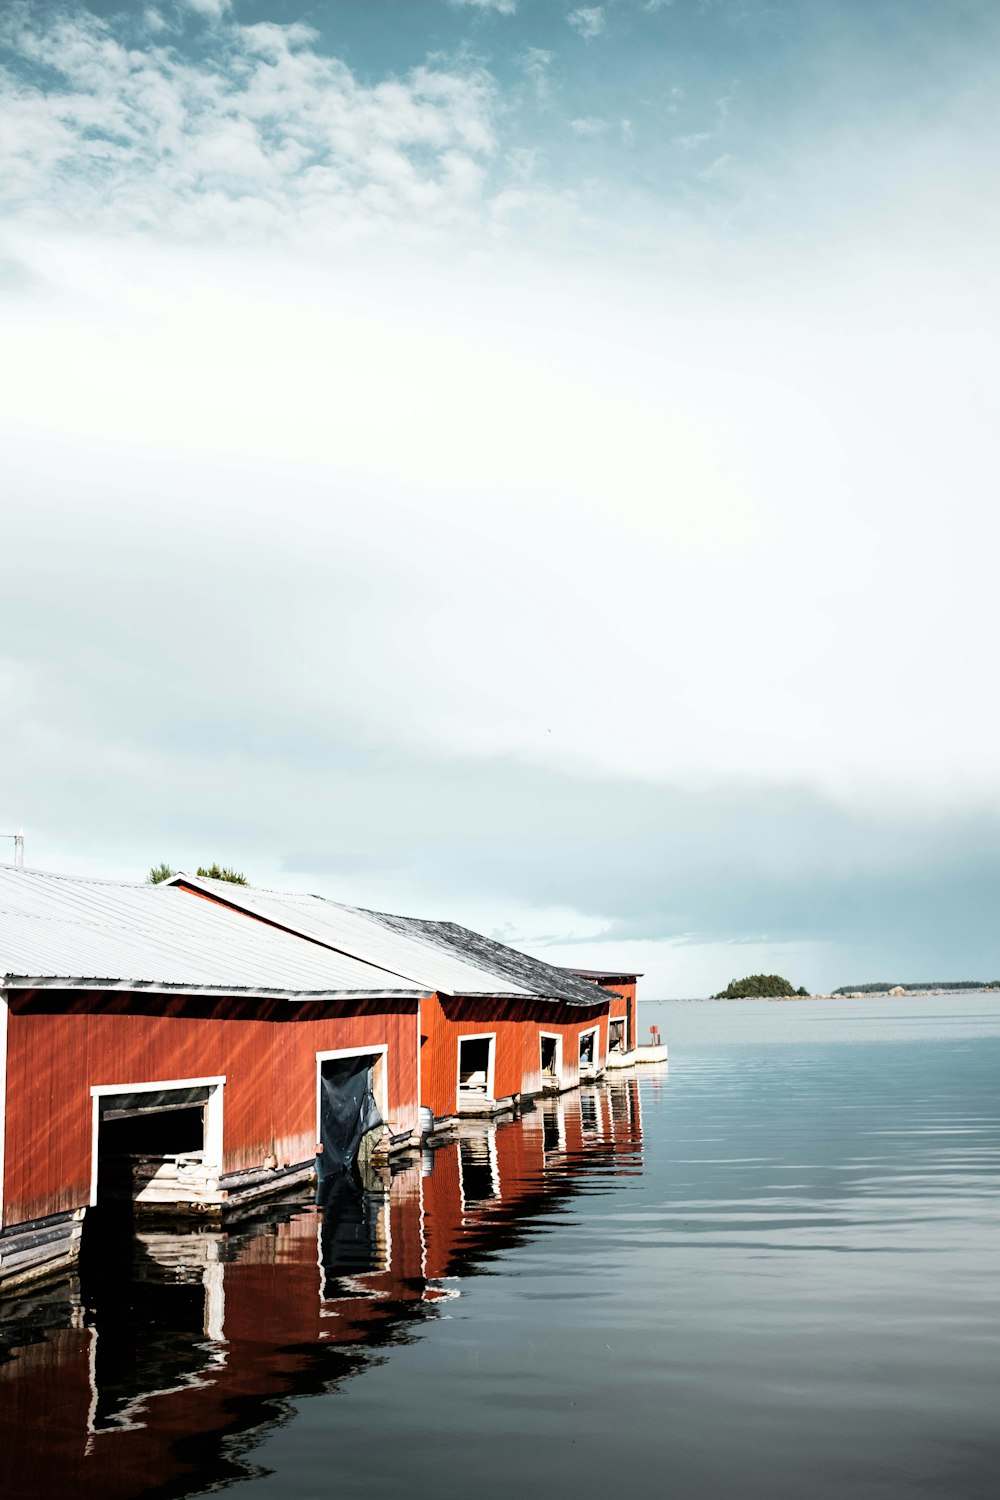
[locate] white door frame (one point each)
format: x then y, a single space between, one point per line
213 1116
556 1036
478 1036
380 1080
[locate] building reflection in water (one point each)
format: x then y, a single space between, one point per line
178 1349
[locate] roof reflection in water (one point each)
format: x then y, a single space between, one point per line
186 1347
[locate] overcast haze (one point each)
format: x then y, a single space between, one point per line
514 461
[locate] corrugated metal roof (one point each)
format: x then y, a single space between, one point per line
441 955
367 937
95 933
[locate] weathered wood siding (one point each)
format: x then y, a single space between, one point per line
61 1045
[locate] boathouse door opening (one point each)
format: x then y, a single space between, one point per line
155 1145
349 1114
551 1059
476 1056
616 1035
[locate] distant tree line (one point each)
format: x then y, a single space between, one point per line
216 871
937 984
759 986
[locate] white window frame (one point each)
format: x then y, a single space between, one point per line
380 1075
214 1116
595 1032
557 1037
478 1036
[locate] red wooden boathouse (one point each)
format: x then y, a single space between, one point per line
164 1049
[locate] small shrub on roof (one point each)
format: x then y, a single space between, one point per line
222 872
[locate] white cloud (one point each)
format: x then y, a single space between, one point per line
263 134
214 9
589 20
535 63
503 7
719 168
698 138
693 141
588 125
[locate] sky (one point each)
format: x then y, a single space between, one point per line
514 461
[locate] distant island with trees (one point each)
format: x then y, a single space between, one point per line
760 987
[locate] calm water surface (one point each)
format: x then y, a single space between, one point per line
770 1270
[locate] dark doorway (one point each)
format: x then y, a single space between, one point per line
136 1134
474 1056
587 1049
161 1133
550 1052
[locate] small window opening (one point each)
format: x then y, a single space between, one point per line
587 1049
549 1055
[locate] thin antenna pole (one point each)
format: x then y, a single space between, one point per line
18 847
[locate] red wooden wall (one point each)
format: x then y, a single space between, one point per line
60 1045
